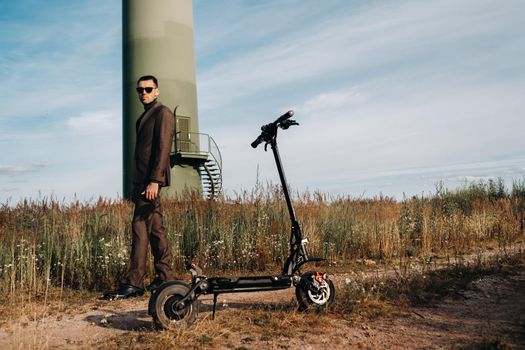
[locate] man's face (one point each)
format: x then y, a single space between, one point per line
143 87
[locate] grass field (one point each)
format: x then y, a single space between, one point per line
44 243
386 257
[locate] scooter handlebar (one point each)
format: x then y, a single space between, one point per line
276 123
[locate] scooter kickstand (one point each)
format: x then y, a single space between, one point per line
214 304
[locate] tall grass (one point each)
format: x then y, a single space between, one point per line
45 243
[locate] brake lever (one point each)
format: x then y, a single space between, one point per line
285 124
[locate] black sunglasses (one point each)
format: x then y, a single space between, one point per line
147 89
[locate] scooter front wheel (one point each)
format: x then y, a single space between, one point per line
314 291
165 311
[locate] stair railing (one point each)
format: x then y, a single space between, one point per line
200 144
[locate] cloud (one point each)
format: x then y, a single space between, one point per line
95 122
391 96
470 179
9 190
50 69
15 170
60 67
350 142
403 44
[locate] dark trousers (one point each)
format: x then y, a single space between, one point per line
147 229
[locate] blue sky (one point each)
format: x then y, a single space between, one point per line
392 97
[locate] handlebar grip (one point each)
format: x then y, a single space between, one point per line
256 143
285 116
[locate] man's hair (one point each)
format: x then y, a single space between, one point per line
148 77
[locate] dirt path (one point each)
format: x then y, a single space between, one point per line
490 314
98 319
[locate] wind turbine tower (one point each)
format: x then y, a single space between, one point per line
158 40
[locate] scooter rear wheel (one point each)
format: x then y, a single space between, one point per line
164 311
309 298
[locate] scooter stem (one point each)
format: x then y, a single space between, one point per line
291 211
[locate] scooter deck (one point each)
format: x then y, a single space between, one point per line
248 284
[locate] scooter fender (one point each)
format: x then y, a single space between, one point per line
307 261
155 293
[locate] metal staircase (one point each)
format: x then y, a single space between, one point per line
211 178
201 151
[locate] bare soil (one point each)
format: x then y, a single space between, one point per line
488 314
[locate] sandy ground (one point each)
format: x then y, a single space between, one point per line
489 314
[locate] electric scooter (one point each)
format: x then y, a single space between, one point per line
174 304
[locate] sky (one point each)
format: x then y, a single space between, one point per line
392 97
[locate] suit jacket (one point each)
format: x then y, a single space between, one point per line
155 130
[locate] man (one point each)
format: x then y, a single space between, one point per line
151 171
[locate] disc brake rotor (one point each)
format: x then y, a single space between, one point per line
321 297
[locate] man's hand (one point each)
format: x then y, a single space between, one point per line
152 191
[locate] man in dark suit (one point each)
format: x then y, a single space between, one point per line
151 171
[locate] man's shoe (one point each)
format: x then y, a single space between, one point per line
156 283
123 292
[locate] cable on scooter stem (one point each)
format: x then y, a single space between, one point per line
268 130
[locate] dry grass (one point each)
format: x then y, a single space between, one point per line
252 326
387 256
362 296
392 294
45 244
25 307
358 303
